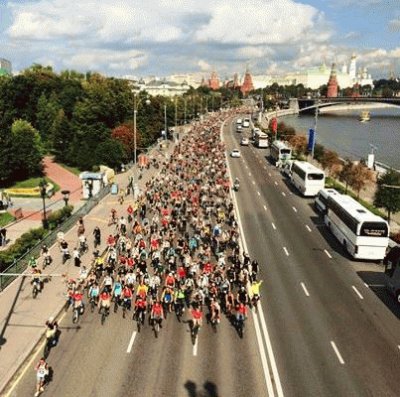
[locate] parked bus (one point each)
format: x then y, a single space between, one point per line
280 152
261 139
363 234
307 178
392 271
321 201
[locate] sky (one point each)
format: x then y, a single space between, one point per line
131 38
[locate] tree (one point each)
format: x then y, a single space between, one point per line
111 153
346 174
47 110
126 135
388 197
329 159
298 143
319 151
60 136
361 176
26 150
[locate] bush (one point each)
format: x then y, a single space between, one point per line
57 217
396 237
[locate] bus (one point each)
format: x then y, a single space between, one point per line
363 234
392 271
280 152
307 178
321 201
261 139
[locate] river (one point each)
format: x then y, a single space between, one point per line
350 138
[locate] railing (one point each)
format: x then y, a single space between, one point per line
19 265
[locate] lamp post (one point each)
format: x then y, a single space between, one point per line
165 121
43 193
185 111
65 194
135 110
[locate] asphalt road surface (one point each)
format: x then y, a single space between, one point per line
320 331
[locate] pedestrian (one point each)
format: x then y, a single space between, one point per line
81 226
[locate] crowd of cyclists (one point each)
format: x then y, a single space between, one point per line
175 252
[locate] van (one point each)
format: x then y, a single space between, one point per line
321 201
239 121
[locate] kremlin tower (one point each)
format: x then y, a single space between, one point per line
213 83
247 85
332 84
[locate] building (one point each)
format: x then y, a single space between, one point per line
213 82
247 85
332 84
163 87
5 67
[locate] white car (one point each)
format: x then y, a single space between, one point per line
244 142
239 128
239 121
235 153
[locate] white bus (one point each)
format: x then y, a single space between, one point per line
321 201
307 178
280 152
261 139
363 234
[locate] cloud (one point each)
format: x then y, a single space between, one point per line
352 35
203 65
394 25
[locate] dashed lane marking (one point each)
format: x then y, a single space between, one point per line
294 209
366 285
259 193
304 289
286 251
129 349
328 254
283 194
265 207
254 182
269 174
276 183
308 228
336 350
249 173
195 346
357 292
273 226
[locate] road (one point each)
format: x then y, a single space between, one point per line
327 334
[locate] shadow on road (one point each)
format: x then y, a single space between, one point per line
209 389
3 341
376 283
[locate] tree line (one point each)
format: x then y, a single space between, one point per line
84 120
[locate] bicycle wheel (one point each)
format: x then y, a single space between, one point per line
103 317
47 348
92 305
124 310
75 316
156 328
115 304
34 292
138 322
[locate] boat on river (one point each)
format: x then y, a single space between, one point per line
365 116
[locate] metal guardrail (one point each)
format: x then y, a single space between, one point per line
19 265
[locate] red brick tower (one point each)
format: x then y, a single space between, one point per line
247 85
213 83
332 83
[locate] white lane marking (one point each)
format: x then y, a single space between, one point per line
129 349
294 209
273 225
305 289
276 183
270 352
254 182
366 285
336 350
195 346
263 355
308 228
249 173
265 167
286 251
259 193
283 194
357 292
398 346
327 253
265 207
269 174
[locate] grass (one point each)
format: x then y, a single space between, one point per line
32 183
74 170
5 219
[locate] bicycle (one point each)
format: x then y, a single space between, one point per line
35 289
76 313
126 305
139 319
116 303
194 332
92 303
240 326
179 307
156 326
104 314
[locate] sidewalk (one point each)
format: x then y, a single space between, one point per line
22 318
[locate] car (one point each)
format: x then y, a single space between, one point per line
246 124
239 128
239 121
244 141
235 153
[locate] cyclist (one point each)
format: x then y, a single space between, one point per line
77 298
42 370
142 289
167 298
94 292
32 262
117 290
157 313
255 290
215 310
179 299
97 236
197 316
127 297
140 307
105 301
51 331
241 312
242 296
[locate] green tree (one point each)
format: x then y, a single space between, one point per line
110 153
26 150
388 197
346 174
47 110
60 135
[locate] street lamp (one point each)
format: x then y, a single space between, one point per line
65 194
135 110
43 193
165 121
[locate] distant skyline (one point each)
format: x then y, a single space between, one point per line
164 37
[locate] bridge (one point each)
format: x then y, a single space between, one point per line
309 104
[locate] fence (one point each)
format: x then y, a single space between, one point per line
19 265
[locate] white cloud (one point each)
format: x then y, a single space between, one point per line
203 65
394 25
